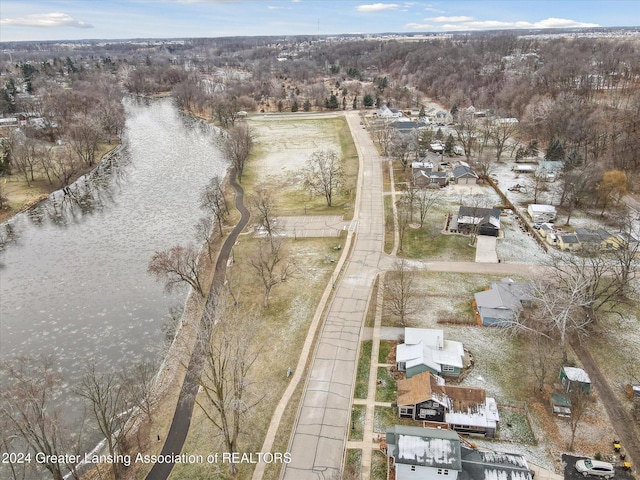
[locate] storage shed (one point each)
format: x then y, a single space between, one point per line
573 377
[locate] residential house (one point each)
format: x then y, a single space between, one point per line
426 166
426 350
434 454
425 397
542 213
549 170
422 179
386 112
464 175
483 221
573 377
437 147
567 241
502 302
407 127
523 169
489 465
424 453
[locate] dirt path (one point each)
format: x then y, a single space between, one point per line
620 419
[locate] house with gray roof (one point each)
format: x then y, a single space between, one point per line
425 453
502 302
425 178
484 221
465 175
426 350
434 454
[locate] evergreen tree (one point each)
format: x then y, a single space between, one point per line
555 150
367 100
306 106
294 106
355 103
454 110
331 102
448 145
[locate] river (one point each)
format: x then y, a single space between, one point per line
73 278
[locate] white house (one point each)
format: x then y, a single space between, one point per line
426 350
424 453
541 213
386 112
437 454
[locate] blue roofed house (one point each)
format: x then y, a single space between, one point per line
432 453
426 350
502 302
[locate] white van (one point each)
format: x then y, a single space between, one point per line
594 467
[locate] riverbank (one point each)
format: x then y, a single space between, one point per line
22 196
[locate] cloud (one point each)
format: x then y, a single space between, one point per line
273 7
418 26
449 19
497 24
377 7
45 20
431 8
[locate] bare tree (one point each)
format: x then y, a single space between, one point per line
138 382
237 146
27 405
204 235
324 174
176 266
500 131
626 255
106 396
466 132
400 291
425 199
580 403
272 264
65 165
24 158
402 148
543 360
84 137
263 202
228 392
382 133
213 201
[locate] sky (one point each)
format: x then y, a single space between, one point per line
33 20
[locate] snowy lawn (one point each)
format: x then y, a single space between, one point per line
615 345
443 298
283 148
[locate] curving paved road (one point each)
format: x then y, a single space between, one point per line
186 401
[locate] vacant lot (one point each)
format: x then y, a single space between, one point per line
282 149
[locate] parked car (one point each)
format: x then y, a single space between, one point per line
595 467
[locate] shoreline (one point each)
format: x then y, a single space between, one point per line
8 213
